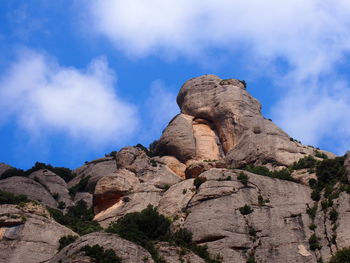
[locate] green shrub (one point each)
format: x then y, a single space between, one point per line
313 242
312 227
99 255
66 240
305 162
145 225
79 187
148 226
330 171
342 256
65 173
312 182
333 215
251 259
316 195
283 174
153 151
142 228
246 210
153 163
111 154
326 203
12 172
10 198
198 181
320 154
311 211
78 218
243 178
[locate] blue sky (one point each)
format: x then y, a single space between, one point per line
79 79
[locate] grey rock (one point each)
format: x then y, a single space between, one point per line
4 167
111 188
95 170
56 186
85 196
128 251
34 239
178 139
26 186
173 254
220 118
282 224
133 159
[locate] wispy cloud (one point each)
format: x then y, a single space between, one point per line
312 37
47 98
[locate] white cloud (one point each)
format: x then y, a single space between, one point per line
297 29
46 98
311 36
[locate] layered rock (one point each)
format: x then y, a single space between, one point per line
56 186
220 120
94 170
277 230
137 182
126 250
25 186
27 234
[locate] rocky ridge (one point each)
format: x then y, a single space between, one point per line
220 170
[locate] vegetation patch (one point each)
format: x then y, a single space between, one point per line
148 226
246 210
198 181
243 178
283 174
303 163
314 242
10 198
99 255
78 218
66 240
79 187
342 256
65 173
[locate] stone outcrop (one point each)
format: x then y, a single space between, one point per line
220 120
4 167
127 192
126 250
276 231
94 170
56 186
25 186
173 254
28 234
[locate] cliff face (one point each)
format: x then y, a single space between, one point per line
239 214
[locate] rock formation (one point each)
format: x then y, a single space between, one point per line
197 176
220 120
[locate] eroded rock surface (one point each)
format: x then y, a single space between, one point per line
219 119
95 170
28 235
56 186
128 251
25 186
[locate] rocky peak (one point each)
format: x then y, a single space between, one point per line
219 119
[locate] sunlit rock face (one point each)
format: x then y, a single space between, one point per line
220 120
